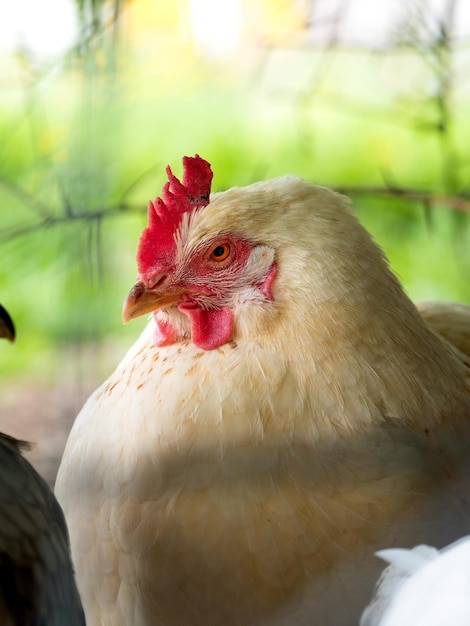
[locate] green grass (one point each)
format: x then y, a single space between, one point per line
87 144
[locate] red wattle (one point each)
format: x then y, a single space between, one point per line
164 333
209 329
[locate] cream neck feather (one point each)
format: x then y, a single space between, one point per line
338 312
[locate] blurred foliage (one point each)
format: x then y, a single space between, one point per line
84 142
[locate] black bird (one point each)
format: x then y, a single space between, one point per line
37 581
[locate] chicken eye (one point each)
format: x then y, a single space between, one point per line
220 252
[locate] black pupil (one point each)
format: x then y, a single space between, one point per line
219 251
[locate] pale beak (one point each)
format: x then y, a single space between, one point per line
141 300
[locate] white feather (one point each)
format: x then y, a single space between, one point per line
423 587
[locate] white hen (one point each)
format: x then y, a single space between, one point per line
285 414
423 587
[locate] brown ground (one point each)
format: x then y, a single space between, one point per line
41 415
41 409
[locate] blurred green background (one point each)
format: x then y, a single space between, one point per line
259 89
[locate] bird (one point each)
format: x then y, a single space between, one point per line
450 319
422 587
37 583
7 328
285 413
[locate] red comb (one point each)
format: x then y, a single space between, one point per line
164 214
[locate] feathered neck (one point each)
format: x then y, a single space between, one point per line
338 311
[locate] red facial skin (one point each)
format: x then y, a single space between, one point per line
202 291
